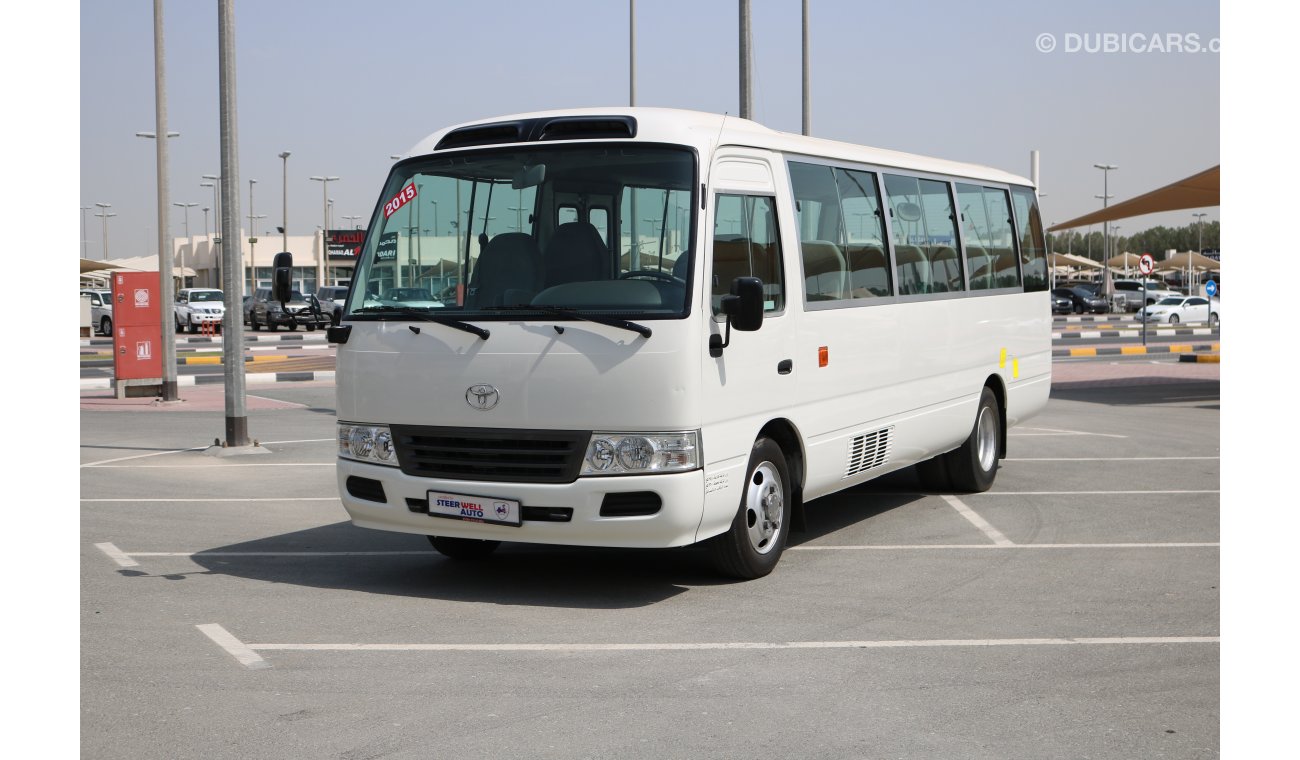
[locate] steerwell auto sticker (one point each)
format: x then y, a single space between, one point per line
403 197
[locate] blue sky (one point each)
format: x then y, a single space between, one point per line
344 85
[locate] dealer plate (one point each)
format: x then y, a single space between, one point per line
482 509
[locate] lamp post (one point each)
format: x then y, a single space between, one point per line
188 241
325 220
1200 246
252 238
205 228
284 202
103 214
216 210
1105 235
353 219
84 209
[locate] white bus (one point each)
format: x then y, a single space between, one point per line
638 327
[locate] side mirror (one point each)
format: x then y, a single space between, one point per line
282 277
744 310
744 307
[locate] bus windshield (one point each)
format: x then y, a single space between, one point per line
564 228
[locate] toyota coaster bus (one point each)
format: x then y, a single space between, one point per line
642 327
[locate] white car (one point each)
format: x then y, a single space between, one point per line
101 310
196 307
1176 309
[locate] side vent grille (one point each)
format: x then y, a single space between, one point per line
869 451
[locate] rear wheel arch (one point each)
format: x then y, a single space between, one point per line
999 388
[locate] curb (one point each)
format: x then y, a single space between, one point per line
286 338
1200 358
260 378
1132 333
1134 350
183 360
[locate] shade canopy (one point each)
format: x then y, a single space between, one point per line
1122 260
1197 191
1181 262
91 265
1071 260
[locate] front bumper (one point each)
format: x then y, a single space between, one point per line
306 319
199 318
675 523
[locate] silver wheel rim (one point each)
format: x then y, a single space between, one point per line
986 436
764 507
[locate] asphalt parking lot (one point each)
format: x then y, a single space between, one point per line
228 609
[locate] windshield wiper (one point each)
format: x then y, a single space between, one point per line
427 317
561 311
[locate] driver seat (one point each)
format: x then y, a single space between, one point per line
575 253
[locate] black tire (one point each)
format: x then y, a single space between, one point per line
179 326
1214 319
973 465
753 544
293 327
270 325
311 328
1173 319
1078 308
106 326
189 324
252 322
463 548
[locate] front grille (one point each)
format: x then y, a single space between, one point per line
512 456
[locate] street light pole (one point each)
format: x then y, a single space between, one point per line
84 209
188 241
252 240
103 214
1105 190
325 220
284 203
216 227
232 340
1200 246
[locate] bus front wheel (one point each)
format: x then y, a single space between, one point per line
753 544
463 548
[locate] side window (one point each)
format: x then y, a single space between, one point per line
746 243
987 236
841 233
924 232
1033 253
566 214
599 218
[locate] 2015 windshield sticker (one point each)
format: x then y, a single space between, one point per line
403 197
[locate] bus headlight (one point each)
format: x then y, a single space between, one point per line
367 443
636 453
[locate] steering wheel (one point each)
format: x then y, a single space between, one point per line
652 274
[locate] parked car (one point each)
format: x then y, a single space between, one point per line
1062 304
418 298
331 299
302 311
196 307
1082 300
1176 309
1135 299
101 310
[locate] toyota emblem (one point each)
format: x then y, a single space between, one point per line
482 397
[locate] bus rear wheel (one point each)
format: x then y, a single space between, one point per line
973 465
753 544
463 548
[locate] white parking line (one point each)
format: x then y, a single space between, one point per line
196 448
117 555
247 655
237 649
1053 431
1106 459
912 547
207 501
1084 493
979 522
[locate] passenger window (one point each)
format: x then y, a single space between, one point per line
1033 253
923 228
841 233
565 215
987 236
746 243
